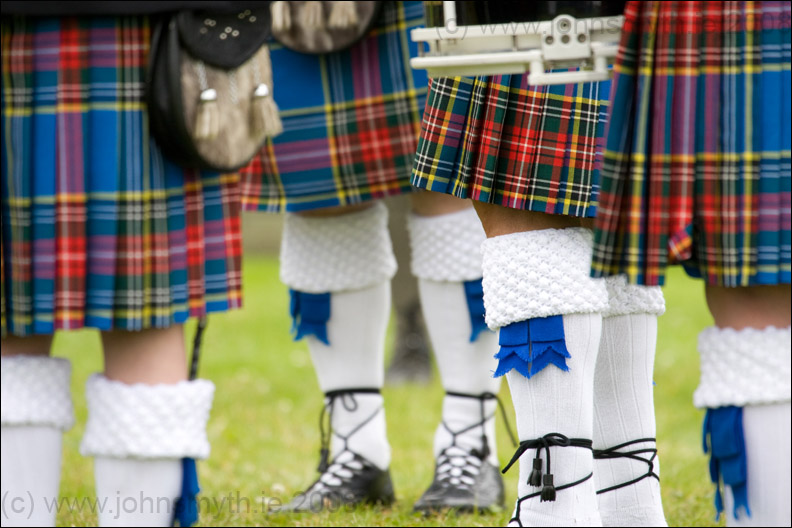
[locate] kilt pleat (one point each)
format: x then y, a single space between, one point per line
99 230
697 163
350 121
500 140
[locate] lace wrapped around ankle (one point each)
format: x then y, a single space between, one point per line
349 478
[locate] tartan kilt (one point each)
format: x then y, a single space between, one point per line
350 121
696 169
496 139
98 229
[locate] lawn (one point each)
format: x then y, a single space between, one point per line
264 425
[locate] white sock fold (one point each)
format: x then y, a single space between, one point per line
539 274
36 410
338 253
446 248
624 404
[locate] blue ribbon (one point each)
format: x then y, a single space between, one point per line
530 346
186 511
310 313
474 293
724 427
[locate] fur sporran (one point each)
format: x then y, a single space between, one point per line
209 90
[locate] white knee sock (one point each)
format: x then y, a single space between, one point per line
445 255
350 258
137 492
624 405
554 401
36 410
751 369
767 432
355 359
527 277
138 435
465 366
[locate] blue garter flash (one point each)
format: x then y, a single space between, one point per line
186 511
474 293
529 346
724 426
310 313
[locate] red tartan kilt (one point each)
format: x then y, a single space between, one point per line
499 140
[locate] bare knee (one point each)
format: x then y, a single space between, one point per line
498 220
340 210
427 203
37 345
750 307
150 356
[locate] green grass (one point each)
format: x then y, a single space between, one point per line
264 425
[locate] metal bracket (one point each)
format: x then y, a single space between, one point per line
584 45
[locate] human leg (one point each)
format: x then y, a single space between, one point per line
745 386
145 417
625 450
446 236
36 410
338 265
537 290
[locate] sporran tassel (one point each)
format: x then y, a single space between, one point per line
311 16
343 15
207 118
281 16
264 113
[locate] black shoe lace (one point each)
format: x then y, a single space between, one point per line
346 464
613 452
467 462
536 478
